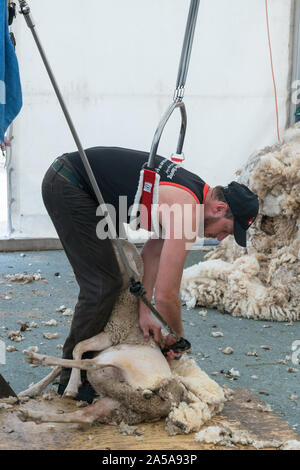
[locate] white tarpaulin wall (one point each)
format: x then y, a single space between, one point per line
116 63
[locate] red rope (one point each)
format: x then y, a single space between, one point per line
272 69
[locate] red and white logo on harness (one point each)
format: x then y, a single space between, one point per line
148 187
251 221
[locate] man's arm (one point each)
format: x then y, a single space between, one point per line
163 267
180 224
167 291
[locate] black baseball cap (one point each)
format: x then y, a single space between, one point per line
244 206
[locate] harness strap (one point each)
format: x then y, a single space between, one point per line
144 210
149 177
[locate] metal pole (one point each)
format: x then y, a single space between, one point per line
187 44
294 59
9 170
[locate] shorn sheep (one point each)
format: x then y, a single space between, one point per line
262 280
135 382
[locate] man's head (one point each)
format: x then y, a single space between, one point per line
230 210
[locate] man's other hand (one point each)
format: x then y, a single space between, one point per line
149 325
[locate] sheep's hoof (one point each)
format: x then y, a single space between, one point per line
29 356
23 415
70 394
32 358
148 394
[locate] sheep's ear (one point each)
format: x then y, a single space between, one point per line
133 264
133 256
136 262
139 266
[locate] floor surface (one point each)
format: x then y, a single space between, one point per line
270 373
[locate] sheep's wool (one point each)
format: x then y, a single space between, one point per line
203 398
228 437
262 280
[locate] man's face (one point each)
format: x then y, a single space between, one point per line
219 227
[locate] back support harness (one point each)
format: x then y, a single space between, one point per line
148 187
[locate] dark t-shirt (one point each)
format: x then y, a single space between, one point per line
117 172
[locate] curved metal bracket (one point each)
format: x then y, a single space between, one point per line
161 126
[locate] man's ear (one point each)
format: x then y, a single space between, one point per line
219 208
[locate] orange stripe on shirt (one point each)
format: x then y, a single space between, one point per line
182 187
205 190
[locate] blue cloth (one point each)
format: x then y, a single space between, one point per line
177 358
10 86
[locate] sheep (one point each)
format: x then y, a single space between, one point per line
261 281
134 380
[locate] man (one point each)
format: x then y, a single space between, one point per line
72 205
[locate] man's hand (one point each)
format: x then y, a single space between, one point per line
149 325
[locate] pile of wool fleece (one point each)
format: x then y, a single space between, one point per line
225 436
202 398
262 280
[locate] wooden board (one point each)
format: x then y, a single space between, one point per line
241 413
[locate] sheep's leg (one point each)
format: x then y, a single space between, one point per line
84 364
37 388
96 343
43 360
88 415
